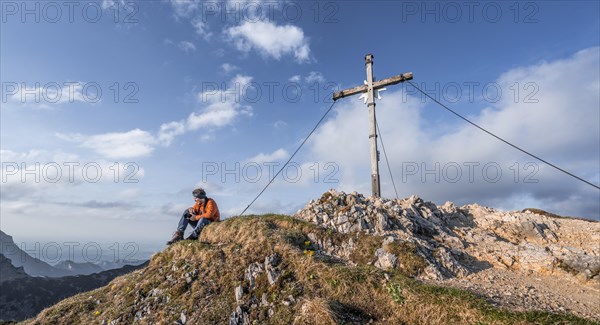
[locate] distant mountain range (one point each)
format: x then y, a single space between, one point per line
24 296
28 284
8 271
89 268
36 267
31 265
110 265
78 268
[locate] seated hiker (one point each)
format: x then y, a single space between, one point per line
201 214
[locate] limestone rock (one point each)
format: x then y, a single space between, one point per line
385 260
457 241
271 263
449 263
182 318
252 272
239 317
239 292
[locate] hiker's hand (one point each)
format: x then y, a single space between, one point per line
191 211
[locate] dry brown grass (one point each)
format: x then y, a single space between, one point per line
316 311
365 248
410 262
326 291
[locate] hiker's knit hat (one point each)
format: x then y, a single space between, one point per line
199 193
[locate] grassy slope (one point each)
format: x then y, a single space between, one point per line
325 290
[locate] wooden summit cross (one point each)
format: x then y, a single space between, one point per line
369 90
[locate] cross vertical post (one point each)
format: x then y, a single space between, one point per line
369 91
375 185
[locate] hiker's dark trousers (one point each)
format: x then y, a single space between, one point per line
197 225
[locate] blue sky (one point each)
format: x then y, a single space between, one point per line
173 93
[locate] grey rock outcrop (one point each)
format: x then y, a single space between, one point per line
239 317
271 263
245 304
385 260
252 272
455 241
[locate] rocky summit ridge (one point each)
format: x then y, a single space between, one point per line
522 260
457 241
350 259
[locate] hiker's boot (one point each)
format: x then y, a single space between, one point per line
177 236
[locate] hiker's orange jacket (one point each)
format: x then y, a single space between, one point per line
209 210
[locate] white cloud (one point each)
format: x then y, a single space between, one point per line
168 131
219 53
215 115
114 222
71 199
558 128
201 28
187 46
241 80
53 175
219 111
12 156
215 188
112 4
185 8
241 4
129 194
117 145
270 39
227 68
311 77
276 155
250 10
279 125
49 95
207 137
315 76
223 107
63 179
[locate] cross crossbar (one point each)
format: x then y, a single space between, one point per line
376 85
